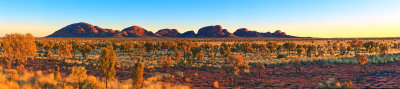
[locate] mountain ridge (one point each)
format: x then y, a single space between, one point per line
83 29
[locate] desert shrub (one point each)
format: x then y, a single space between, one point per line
236 71
196 74
199 56
187 79
247 48
225 50
85 50
137 74
216 85
17 48
92 83
149 46
197 53
260 67
289 46
177 56
237 60
12 74
78 74
310 50
47 81
21 68
185 63
362 59
64 49
166 62
332 83
48 54
233 63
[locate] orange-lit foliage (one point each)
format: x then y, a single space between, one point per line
17 48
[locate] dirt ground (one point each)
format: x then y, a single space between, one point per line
368 76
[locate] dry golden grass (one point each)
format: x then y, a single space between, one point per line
11 79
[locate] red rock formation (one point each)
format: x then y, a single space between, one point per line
136 31
87 30
82 30
278 32
213 32
188 34
167 33
243 32
228 34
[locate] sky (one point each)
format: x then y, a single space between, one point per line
306 18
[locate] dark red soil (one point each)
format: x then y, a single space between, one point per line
272 77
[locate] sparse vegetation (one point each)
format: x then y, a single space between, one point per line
226 63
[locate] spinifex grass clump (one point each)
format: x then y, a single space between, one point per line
78 74
332 83
234 62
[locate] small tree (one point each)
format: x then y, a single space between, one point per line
289 46
299 50
247 48
272 46
137 74
107 62
225 50
17 48
64 49
197 53
85 50
149 46
384 48
76 45
310 50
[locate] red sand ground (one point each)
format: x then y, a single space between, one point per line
281 77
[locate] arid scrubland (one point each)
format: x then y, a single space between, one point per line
154 63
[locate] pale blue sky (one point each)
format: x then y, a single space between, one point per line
315 18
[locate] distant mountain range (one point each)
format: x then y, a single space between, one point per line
87 30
